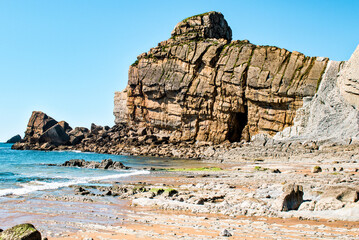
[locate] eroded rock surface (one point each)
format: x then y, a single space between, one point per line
200 85
104 164
332 114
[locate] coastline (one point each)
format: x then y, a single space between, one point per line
246 180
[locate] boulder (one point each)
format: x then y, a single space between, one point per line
316 169
95 129
341 193
24 231
225 233
38 123
74 163
77 135
106 163
55 135
14 139
65 126
291 198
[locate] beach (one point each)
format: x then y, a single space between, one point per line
237 195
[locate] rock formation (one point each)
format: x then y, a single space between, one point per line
291 198
332 114
104 164
201 86
46 132
24 231
14 139
348 80
44 129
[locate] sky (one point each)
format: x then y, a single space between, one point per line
68 57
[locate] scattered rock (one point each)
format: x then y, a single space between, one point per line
316 169
225 233
104 164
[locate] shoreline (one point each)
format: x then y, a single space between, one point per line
238 198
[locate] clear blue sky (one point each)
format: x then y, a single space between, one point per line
67 58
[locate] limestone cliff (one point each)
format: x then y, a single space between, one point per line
348 80
199 85
333 113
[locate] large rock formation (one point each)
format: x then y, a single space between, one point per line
332 114
42 128
45 133
199 85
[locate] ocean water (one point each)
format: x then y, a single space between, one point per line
25 172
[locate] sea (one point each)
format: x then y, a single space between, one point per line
27 172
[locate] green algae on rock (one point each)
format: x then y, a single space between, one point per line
24 231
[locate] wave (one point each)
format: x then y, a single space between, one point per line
40 186
6 174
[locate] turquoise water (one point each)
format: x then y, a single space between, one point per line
24 172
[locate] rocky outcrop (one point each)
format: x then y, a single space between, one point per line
291 198
24 231
14 139
104 164
44 129
46 133
201 86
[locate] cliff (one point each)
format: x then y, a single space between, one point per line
332 114
199 85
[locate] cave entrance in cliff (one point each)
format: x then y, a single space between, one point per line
237 122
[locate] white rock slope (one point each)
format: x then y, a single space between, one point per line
332 114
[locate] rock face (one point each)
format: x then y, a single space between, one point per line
202 26
45 133
201 86
348 80
332 114
42 128
14 139
21 232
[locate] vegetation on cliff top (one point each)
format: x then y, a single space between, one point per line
198 15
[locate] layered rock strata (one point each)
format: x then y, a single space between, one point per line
332 114
201 86
348 80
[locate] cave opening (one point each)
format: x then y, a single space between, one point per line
236 124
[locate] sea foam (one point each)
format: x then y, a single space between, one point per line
33 186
